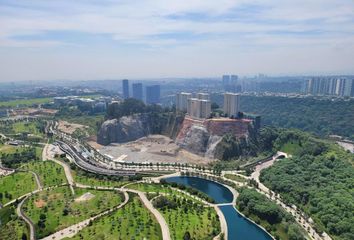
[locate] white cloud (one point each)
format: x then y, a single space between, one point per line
215 30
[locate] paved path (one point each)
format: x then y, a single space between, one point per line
38 182
160 219
46 155
74 229
299 217
26 219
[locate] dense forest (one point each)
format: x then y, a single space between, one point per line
321 117
318 178
267 213
13 160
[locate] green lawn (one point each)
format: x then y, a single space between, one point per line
235 178
25 102
15 185
30 127
201 222
133 221
49 173
150 187
158 188
58 209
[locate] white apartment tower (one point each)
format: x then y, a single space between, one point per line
198 108
182 101
231 104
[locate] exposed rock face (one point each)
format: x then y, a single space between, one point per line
202 136
195 140
123 130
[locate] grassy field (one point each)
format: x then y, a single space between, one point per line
155 189
92 181
15 185
25 102
235 178
56 209
49 173
201 222
150 187
133 221
14 229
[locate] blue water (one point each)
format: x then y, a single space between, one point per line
216 191
239 228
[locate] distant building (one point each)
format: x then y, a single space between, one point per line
225 80
231 104
198 108
182 101
153 94
137 91
340 86
230 83
203 96
125 85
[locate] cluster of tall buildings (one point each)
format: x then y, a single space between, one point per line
152 92
339 86
196 107
200 105
231 83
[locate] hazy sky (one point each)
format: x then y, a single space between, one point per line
106 39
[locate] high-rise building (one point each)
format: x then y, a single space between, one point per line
182 101
203 96
198 108
348 86
225 80
137 91
153 94
125 83
231 104
340 86
205 108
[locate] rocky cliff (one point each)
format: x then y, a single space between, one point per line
203 136
123 130
131 128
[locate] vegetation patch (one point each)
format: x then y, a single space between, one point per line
133 221
188 219
319 180
16 185
14 157
92 179
50 173
268 214
58 208
236 178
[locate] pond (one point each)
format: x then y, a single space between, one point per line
239 228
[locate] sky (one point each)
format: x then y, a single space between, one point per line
106 39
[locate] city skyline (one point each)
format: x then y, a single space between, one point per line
85 40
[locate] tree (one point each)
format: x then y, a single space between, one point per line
187 236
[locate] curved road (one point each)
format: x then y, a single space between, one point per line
26 219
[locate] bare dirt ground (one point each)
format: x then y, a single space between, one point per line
40 203
69 128
154 148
